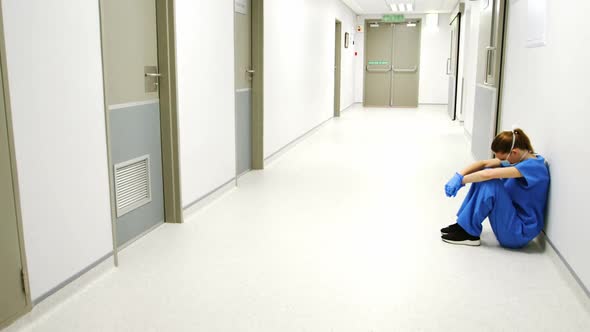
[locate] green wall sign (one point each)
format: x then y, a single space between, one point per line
394 18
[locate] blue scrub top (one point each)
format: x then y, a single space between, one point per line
529 194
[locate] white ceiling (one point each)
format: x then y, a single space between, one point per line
364 7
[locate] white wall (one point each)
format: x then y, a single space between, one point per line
55 77
299 67
205 71
546 92
434 51
348 61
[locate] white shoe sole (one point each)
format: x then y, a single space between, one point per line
473 243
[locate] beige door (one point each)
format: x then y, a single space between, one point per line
13 300
244 75
378 53
249 84
132 93
406 64
337 66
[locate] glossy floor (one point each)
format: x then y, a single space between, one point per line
340 233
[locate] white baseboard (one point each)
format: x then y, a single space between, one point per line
62 293
270 159
568 266
207 199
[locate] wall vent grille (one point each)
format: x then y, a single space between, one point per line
132 184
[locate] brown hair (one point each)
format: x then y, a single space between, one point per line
503 141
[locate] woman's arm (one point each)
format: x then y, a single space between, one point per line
480 165
492 173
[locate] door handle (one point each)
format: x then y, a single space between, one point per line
448 66
405 70
250 71
489 65
151 78
379 70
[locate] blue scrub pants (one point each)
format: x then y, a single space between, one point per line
490 199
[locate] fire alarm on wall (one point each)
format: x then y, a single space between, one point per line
359 28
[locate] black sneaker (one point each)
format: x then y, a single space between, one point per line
451 228
461 237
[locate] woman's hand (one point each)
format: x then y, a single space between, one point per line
454 184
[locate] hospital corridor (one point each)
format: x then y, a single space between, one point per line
334 236
305 165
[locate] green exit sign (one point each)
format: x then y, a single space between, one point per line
394 18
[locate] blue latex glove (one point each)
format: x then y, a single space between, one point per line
454 184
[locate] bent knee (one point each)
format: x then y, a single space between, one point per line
489 184
493 182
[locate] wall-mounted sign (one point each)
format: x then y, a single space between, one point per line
241 6
394 18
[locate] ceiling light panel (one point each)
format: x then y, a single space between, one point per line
401 5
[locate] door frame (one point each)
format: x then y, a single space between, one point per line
380 21
257 84
337 67
15 183
502 63
456 15
168 119
365 41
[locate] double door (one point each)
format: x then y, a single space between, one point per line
392 64
489 69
